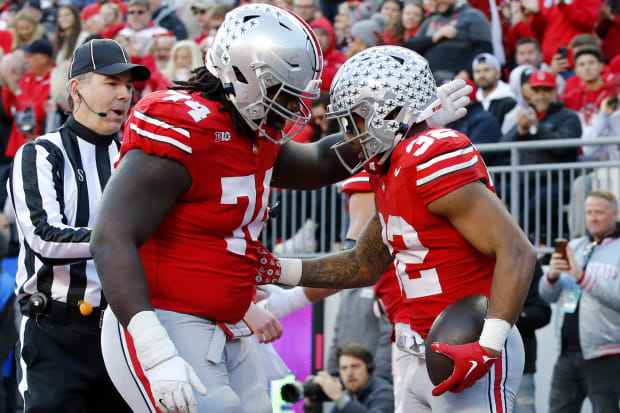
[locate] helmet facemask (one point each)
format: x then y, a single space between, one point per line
259 114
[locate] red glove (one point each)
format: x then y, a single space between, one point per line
267 266
471 362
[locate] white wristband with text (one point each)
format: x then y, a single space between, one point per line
494 333
291 271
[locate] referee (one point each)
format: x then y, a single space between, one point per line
55 185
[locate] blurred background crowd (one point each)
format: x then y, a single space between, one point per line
495 45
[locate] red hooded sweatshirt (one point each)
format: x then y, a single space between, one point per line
332 58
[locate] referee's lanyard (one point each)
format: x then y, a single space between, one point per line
572 299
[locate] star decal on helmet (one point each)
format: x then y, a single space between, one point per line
392 126
382 111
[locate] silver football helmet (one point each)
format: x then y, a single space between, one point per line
260 46
391 88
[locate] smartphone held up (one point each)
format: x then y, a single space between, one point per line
560 247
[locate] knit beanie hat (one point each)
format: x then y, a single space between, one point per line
369 31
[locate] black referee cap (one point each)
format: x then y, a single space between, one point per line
106 57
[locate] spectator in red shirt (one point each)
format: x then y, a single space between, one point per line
557 22
608 29
6 41
586 97
28 105
332 58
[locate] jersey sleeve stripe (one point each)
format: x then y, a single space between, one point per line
160 123
160 138
443 157
448 170
355 180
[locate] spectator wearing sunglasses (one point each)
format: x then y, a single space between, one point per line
140 28
200 9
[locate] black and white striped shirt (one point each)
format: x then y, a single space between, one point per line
55 186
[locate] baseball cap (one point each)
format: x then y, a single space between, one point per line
106 57
41 46
542 78
487 58
369 30
203 4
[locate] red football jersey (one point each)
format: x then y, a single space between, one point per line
435 265
360 182
387 288
201 258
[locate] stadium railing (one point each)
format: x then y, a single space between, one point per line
315 222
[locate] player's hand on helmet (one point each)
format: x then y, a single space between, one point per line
263 323
454 99
471 362
171 383
268 269
171 378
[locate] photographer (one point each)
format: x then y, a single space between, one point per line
356 390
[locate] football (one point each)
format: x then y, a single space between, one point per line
459 323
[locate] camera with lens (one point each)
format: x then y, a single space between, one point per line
296 391
26 121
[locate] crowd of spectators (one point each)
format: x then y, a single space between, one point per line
453 35
541 69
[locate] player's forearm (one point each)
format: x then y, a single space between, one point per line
122 277
311 166
357 267
317 294
511 279
339 270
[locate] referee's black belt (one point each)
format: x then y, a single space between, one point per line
62 313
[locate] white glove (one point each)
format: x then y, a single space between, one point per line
169 375
282 302
169 385
453 96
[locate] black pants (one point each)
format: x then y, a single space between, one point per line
65 370
574 379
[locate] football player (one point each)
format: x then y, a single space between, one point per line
438 220
175 239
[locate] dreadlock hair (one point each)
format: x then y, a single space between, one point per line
211 88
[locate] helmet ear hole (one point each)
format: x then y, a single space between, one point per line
239 75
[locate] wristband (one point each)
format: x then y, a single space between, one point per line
494 333
150 339
291 271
